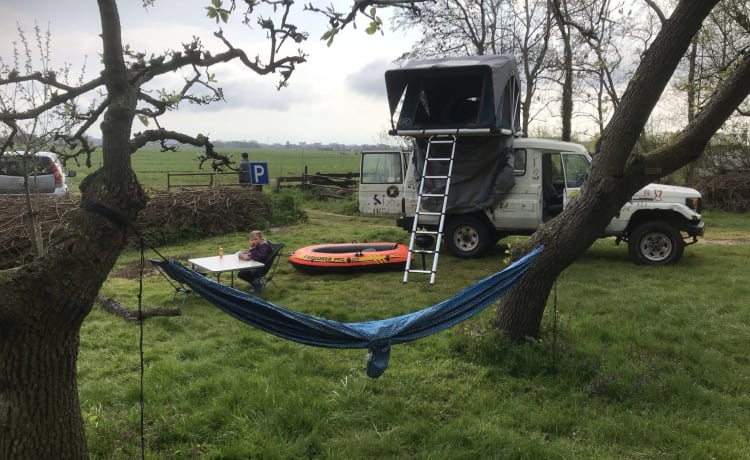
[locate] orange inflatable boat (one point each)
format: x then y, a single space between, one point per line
346 257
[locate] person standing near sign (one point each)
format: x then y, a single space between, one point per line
244 170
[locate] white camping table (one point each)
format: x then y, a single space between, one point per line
220 264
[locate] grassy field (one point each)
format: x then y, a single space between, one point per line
634 362
152 165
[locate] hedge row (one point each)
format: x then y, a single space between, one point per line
168 217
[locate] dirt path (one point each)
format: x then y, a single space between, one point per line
723 240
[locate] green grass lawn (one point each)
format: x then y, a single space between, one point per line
634 362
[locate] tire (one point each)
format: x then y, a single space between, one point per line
467 236
655 243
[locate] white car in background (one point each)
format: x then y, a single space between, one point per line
43 171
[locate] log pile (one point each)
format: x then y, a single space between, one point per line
728 192
15 243
193 214
168 217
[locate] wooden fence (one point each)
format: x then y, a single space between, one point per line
333 185
203 180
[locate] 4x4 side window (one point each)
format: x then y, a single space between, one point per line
576 169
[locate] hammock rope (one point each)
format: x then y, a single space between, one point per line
377 335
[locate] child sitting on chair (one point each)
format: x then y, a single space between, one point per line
260 251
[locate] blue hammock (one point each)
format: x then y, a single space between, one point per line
377 336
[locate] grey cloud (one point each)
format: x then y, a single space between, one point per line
370 80
249 93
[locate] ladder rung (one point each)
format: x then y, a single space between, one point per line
437 158
429 213
437 177
426 232
424 251
414 270
441 141
433 195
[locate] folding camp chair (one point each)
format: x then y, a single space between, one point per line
271 265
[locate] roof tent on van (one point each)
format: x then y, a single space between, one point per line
460 95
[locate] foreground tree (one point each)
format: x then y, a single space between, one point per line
617 170
44 303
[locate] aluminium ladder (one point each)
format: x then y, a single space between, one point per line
433 160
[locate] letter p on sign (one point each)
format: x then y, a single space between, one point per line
259 174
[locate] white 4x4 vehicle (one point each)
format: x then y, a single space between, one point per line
42 171
657 222
469 168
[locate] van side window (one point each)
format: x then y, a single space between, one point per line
519 165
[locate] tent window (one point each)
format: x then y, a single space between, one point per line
508 108
445 101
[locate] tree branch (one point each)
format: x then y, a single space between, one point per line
691 141
55 100
218 160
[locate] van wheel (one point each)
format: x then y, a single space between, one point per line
467 237
655 243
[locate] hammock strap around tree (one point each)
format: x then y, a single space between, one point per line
377 336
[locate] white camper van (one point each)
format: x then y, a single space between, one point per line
656 223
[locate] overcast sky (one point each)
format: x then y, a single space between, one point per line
337 96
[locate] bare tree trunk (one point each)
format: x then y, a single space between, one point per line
35 227
692 97
530 298
566 104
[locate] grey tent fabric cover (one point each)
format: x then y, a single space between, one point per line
455 93
474 98
483 172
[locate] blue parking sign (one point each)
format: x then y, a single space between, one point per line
259 174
